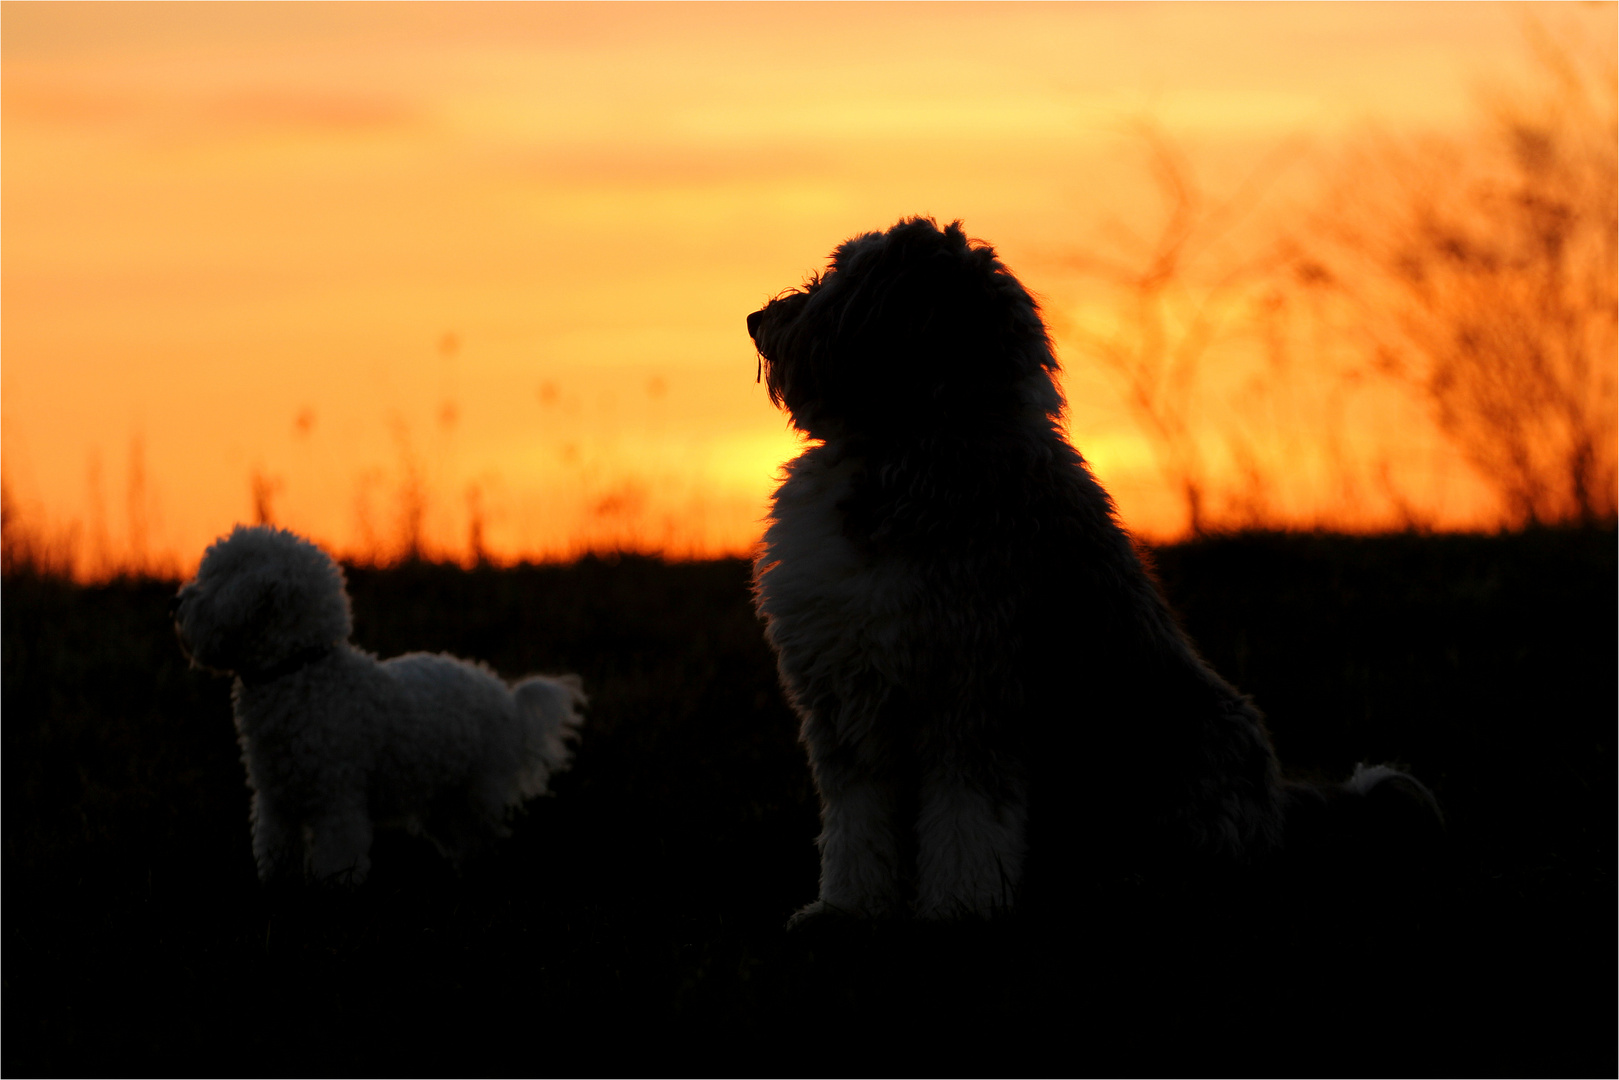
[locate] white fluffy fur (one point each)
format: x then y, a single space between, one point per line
844 621
337 742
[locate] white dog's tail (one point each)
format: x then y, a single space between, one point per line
1379 816
549 706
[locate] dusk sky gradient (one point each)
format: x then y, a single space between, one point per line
496 259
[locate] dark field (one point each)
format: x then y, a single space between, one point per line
634 922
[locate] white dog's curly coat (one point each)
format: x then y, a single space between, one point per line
335 741
992 690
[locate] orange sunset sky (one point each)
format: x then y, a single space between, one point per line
490 263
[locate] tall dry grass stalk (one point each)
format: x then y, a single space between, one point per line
1175 292
1482 276
30 543
26 547
1474 276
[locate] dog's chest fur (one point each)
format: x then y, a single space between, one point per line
832 605
873 619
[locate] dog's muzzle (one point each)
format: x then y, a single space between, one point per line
754 319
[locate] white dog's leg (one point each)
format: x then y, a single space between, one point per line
970 850
277 841
340 846
862 852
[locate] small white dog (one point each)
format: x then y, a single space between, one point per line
336 741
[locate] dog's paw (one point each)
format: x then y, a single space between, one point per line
345 880
819 916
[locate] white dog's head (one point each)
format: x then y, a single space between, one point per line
917 329
262 597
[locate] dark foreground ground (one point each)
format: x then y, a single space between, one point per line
634 922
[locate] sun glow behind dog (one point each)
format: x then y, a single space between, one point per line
460 282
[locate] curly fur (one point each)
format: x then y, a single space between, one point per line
337 742
992 691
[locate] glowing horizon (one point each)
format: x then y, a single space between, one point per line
365 265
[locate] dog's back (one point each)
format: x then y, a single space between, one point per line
463 748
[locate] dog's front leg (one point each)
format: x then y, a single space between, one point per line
970 845
277 840
863 859
340 845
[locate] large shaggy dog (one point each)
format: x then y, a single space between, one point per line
336 742
992 690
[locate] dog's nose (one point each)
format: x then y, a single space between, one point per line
754 319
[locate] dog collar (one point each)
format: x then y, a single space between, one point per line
296 662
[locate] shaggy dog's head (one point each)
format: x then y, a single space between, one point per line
916 328
261 598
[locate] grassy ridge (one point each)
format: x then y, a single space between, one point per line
634 921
